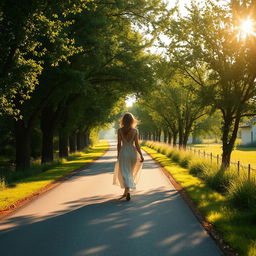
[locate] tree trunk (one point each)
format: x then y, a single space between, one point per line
159 135
174 137
47 127
180 131
87 138
82 140
180 139
185 141
165 136
226 155
194 139
72 143
23 145
63 145
186 135
169 137
47 146
228 144
79 141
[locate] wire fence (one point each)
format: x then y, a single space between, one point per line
238 166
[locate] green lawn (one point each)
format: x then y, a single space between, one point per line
244 155
237 227
28 186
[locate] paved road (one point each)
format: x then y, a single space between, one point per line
83 217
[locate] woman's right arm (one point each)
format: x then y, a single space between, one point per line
137 145
118 142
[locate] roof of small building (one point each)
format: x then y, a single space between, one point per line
249 123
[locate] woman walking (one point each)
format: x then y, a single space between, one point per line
129 156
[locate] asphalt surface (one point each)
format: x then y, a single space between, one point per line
82 216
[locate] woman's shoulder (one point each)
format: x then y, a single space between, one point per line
135 130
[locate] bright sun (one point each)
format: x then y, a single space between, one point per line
247 28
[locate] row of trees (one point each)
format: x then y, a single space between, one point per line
65 67
209 67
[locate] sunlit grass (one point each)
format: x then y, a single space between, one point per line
29 185
237 227
244 155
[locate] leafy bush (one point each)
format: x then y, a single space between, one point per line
185 161
176 156
12 175
198 167
219 179
242 193
179 156
2 182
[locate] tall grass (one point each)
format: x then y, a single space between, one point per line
240 191
232 213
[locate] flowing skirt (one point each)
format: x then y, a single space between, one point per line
128 167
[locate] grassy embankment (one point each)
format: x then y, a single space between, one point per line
19 186
226 200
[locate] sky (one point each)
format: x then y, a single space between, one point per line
130 100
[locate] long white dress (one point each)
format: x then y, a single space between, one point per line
128 166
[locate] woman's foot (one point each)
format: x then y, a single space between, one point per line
123 196
128 197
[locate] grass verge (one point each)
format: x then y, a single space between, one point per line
27 186
236 227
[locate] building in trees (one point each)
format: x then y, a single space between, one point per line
248 132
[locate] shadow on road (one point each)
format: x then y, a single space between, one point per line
149 224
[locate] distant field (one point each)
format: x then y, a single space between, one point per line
244 155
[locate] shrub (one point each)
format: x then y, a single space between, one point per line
242 193
170 152
2 183
175 156
162 149
198 167
219 179
215 178
184 162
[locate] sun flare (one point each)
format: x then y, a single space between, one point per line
247 28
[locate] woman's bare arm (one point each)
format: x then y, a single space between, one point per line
138 146
118 142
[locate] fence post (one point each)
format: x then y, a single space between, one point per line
217 159
249 171
238 167
211 157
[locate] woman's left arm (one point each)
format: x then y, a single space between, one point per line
137 145
118 142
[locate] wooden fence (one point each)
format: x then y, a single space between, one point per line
217 159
